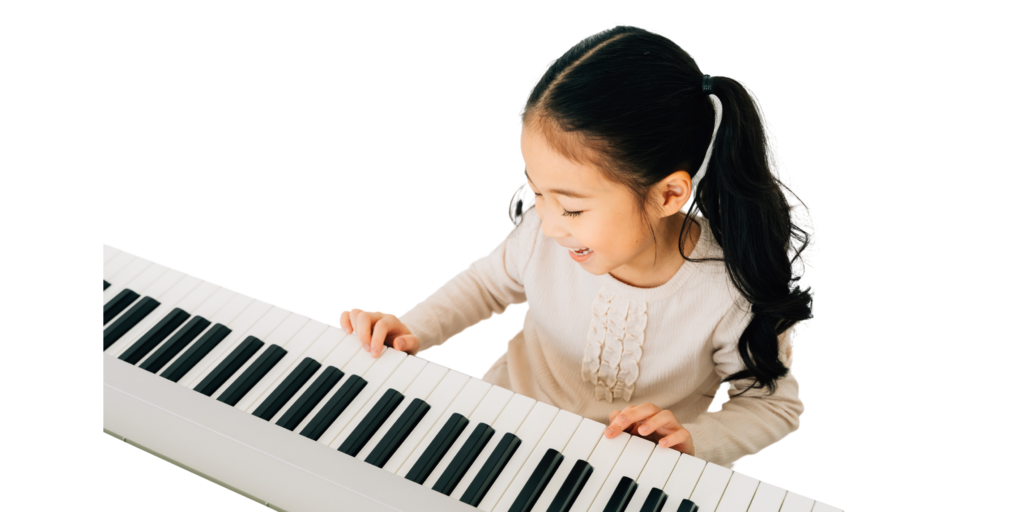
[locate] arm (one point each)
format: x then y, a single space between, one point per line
488 286
750 421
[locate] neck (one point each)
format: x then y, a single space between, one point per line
644 271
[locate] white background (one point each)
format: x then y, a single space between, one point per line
327 156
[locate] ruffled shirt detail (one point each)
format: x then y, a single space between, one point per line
611 359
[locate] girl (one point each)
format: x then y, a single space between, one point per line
638 311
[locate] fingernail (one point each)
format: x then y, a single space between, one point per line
376 352
608 431
399 345
366 347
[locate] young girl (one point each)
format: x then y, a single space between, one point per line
638 311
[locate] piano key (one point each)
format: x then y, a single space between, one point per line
253 374
796 503
167 290
371 422
339 401
682 481
654 502
439 399
238 357
493 467
621 496
378 373
126 277
397 433
630 463
210 339
399 380
486 412
464 456
118 304
710 487
218 311
321 348
570 489
738 494
555 437
510 419
579 447
296 346
175 344
112 267
538 481
821 507
530 432
767 498
191 302
287 389
416 392
654 475
603 459
438 447
312 396
687 506
123 323
465 402
154 336
258 320
105 285
109 252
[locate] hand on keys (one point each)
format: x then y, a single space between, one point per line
652 423
378 329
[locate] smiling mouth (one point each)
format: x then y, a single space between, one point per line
582 252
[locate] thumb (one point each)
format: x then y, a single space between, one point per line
407 343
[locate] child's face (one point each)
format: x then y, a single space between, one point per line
607 224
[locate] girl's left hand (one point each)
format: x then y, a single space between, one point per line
652 423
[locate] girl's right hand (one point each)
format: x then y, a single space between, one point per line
375 330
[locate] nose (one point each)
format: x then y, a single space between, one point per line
551 223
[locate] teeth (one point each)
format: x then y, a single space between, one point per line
583 251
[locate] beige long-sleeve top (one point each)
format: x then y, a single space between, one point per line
591 344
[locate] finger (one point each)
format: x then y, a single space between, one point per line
408 343
665 418
613 414
631 415
679 440
380 333
363 321
346 324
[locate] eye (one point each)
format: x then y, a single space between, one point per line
571 214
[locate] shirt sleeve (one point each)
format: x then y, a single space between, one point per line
488 286
750 421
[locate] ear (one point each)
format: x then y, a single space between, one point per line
673 192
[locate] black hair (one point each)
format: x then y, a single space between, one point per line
630 102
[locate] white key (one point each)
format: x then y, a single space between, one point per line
654 476
580 446
710 486
188 303
796 503
529 434
259 320
464 403
510 419
240 314
439 400
399 380
280 336
374 377
168 291
425 383
225 314
632 461
603 459
738 494
682 480
125 277
322 347
112 267
295 345
490 407
821 507
139 284
357 362
767 498
207 309
555 437
108 253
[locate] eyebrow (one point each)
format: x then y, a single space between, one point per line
566 193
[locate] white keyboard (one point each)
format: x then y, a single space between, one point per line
294 414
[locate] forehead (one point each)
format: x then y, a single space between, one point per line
553 166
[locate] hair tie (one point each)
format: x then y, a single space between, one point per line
717 104
705 84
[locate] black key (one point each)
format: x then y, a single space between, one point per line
176 344
467 455
538 481
687 506
125 322
287 389
439 446
655 501
620 497
117 304
215 379
196 353
105 284
154 336
314 393
572 486
333 408
371 422
398 433
492 468
252 375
